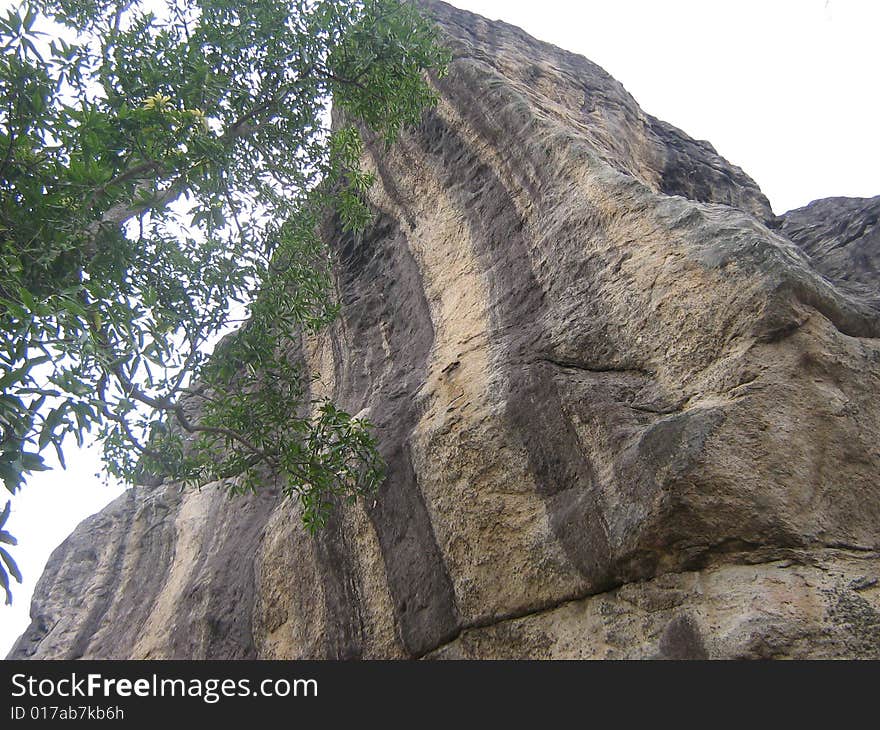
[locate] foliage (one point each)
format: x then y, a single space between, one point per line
161 165
6 561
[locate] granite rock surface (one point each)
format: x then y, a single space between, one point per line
627 412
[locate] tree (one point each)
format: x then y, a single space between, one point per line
158 163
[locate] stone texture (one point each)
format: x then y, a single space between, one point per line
842 238
822 607
626 410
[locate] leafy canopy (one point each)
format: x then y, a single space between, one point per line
164 167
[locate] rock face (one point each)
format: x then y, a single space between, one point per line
627 412
842 238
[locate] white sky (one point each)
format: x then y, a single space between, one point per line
786 89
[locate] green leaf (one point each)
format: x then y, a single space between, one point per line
60 454
22 373
33 462
11 477
54 419
4 583
10 564
28 43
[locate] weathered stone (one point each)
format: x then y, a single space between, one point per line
842 238
821 607
624 413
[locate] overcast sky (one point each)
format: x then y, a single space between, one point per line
786 89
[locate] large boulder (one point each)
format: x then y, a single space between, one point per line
626 411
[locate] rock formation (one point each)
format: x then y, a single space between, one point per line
627 412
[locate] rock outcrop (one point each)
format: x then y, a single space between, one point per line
627 412
842 239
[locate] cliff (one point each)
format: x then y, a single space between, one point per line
627 412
